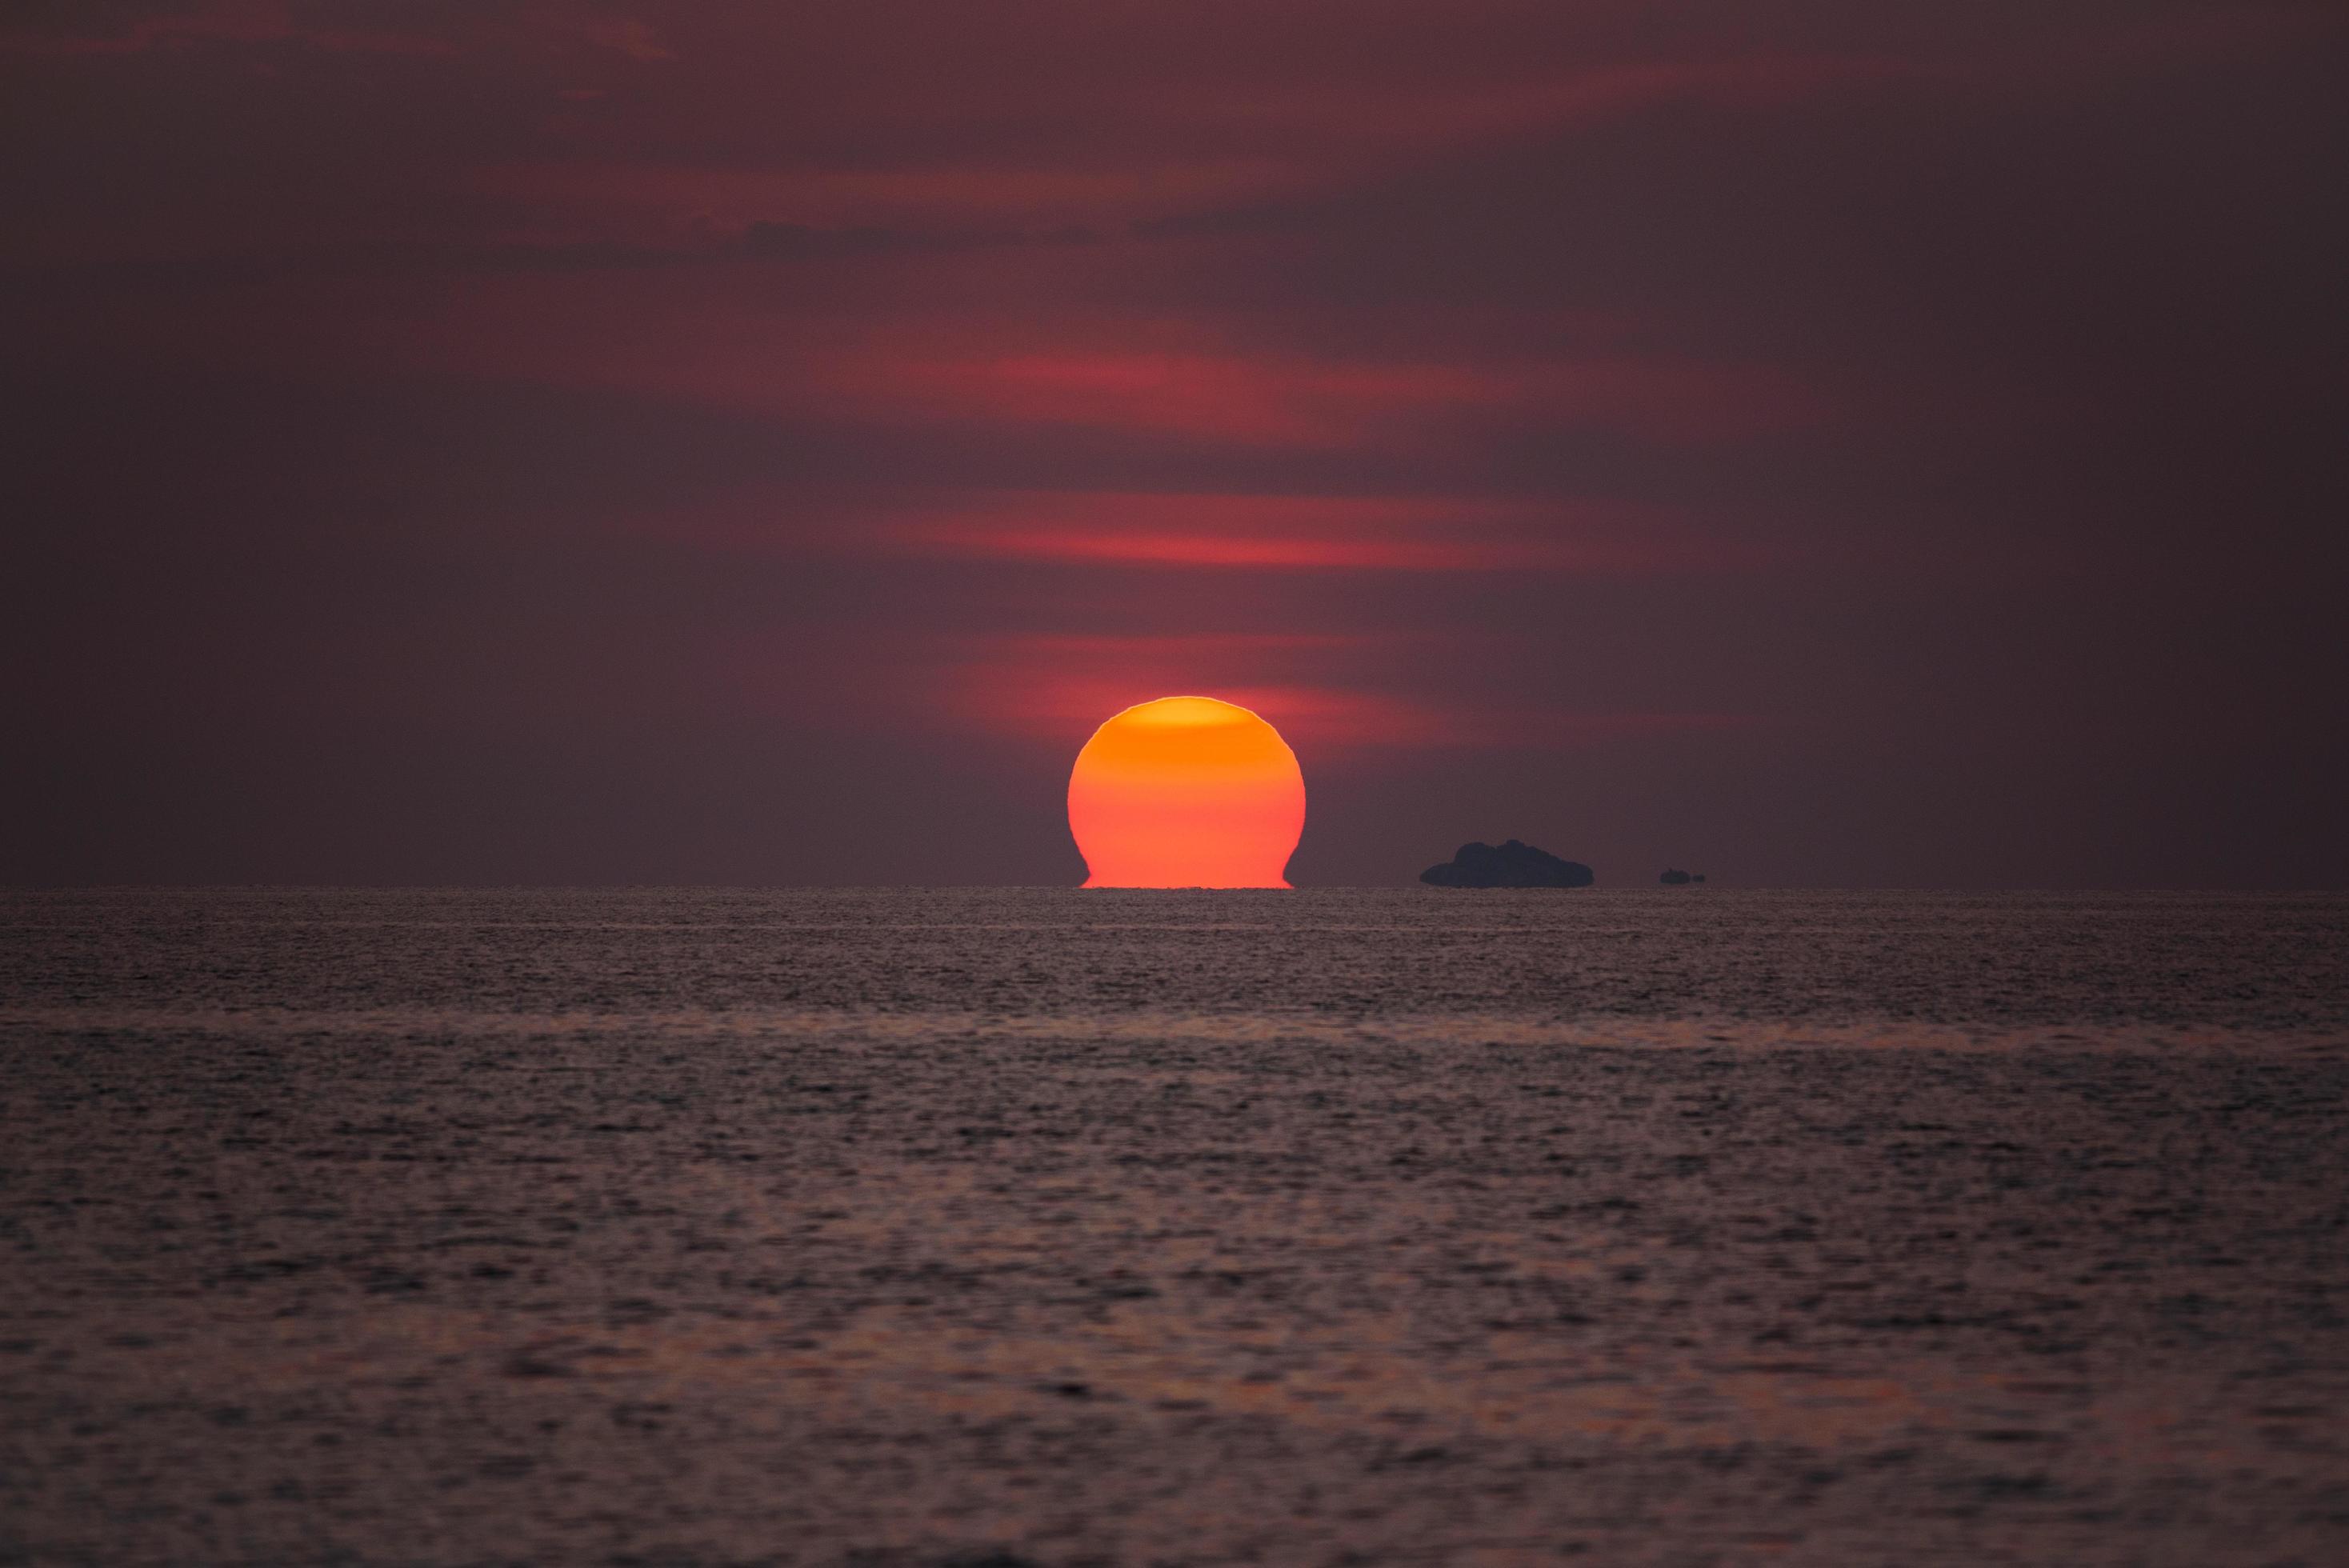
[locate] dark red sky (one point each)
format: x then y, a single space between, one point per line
1812 443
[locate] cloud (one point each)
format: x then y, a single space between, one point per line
772 240
626 35
1292 532
799 241
1336 692
1275 398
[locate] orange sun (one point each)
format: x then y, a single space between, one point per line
1186 791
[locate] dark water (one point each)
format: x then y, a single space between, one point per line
1407 1226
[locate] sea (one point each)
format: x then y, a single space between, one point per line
994 1227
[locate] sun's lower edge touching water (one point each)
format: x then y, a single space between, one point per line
1186 791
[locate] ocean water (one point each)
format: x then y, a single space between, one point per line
1042 1226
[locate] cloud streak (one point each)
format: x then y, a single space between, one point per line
1283 532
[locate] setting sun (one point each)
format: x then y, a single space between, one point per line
1186 791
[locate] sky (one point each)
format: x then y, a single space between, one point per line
1815 443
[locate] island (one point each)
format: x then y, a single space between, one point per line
1679 879
1513 864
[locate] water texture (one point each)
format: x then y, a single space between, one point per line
885 1227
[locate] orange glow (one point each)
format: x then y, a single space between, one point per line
1186 791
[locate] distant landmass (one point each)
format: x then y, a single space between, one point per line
1680 878
1513 864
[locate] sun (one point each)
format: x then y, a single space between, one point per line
1186 791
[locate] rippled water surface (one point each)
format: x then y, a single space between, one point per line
1395 1226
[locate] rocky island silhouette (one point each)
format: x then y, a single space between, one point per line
1513 864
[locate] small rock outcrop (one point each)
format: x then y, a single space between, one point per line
1513 864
